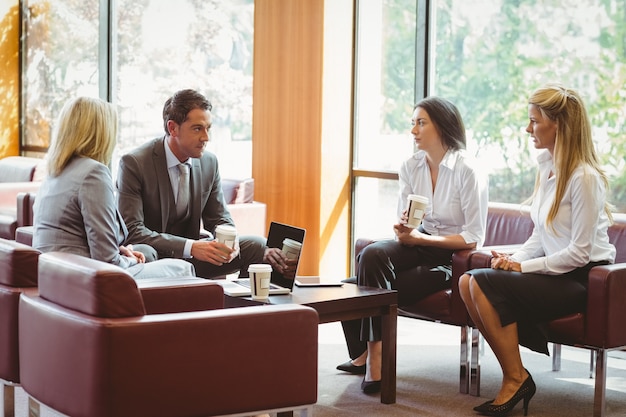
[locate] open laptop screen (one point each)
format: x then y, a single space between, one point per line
277 233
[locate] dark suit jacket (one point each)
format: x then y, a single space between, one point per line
146 199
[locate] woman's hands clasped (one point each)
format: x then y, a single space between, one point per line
503 261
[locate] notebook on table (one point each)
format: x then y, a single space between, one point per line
240 287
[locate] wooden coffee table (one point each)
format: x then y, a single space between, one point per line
348 302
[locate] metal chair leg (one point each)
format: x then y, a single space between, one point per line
556 357
599 398
592 362
464 374
475 364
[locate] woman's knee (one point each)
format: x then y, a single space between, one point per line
464 285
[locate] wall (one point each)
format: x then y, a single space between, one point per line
302 122
9 77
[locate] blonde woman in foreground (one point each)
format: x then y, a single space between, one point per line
547 277
75 209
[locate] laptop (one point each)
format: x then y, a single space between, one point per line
240 287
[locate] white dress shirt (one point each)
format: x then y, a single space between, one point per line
578 234
458 204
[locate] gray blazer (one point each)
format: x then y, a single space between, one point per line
76 212
146 200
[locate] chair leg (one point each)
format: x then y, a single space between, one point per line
599 398
33 407
464 381
9 400
556 357
592 362
475 364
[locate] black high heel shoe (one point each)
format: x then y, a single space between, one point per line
525 392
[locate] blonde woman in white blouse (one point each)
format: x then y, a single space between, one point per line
547 277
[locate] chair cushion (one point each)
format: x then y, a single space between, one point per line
18 168
18 264
88 286
238 191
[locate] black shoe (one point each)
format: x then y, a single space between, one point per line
525 392
370 387
484 406
350 280
351 368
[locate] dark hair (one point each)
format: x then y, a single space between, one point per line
447 120
177 107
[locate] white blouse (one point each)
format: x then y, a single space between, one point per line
458 205
578 234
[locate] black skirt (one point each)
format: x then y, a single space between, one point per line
530 300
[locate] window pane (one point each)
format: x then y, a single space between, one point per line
61 61
489 56
385 74
200 44
385 80
376 201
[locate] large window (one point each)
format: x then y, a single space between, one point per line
157 47
486 56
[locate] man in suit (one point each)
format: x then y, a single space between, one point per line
168 214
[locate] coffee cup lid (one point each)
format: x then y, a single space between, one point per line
417 197
292 243
259 268
226 228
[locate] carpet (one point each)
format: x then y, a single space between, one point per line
428 379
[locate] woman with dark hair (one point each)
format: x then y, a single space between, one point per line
418 261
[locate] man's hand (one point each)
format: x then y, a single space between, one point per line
213 252
280 263
504 262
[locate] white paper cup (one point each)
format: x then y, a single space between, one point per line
417 209
226 234
260 275
291 248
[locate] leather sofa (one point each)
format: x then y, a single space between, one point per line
18 274
18 174
90 347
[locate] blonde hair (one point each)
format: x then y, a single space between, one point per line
573 144
86 127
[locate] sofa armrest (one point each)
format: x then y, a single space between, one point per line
9 192
83 365
177 295
606 309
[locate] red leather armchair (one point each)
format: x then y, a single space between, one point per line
90 348
18 274
446 306
601 327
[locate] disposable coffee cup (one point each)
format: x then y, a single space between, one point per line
417 209
260 275
226 234
291 248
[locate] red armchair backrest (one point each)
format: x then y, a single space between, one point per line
18 264
88 286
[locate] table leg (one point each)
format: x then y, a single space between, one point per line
389 336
